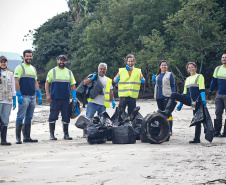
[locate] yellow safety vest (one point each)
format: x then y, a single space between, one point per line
107 98
129 86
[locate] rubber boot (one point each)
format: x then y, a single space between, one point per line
3 136
169 108
224 132
26 129
65 129
170 121
197 134
52 130
18 133
217 127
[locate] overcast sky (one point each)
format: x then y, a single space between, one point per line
17 17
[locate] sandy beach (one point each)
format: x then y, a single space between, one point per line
77 162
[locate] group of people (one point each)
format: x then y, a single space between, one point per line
60 83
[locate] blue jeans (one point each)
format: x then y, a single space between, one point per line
92 108
5 110
26 110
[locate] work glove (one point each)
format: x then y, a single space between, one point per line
77 112
113 103
14 102
179 106
127 68
117 79
142 80
73 92
153 78
209 95
94 76
39 95
20 98
203 96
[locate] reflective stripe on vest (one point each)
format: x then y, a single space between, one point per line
60 80
107 98
220 77
195 84
129 86
29 76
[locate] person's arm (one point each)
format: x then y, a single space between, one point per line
36 85
73 87
17 84
111 94
172 83
115 78
213 84
48 98
87 81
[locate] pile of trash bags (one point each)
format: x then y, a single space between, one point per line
124 129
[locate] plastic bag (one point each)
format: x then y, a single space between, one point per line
82 122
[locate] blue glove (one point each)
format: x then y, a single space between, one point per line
153 78
113 103
203 96
39 95
142 80
118 78
14 102
77 112
127 68
179 106
20 98
73 92
94 76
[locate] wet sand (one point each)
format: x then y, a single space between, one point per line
77 162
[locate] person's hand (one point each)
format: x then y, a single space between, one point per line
94 76
179 106
73 92
48 98
117 79
20 98
203 96
153 78
127 68
39 95
113 103
142 80
209 95
14 102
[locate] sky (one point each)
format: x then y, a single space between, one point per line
17 17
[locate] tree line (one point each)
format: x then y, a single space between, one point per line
95 31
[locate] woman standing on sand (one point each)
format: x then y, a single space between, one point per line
193 95
7 95
164 83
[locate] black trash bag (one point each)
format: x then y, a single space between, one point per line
208 125
1 124
74 109
119 116
136 123
96 141
198 117
96 89
123 133
105 119
82 122
154 129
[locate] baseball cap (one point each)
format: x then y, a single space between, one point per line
62 56
3 58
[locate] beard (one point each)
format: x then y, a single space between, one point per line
28 62
61 65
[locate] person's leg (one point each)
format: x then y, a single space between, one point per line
131 104
91 109
65 118
53 116
224 131
160 104
123 103
170 119
101 109
219 109
27 121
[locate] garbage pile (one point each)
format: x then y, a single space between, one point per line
124 129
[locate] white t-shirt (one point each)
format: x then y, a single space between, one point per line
3 73
100 98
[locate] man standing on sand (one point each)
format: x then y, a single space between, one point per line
26 86
58 95
219 77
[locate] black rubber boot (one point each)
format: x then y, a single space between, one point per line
169 108
26 129
66 135
3 136
217 127
52 130
197 134
18 133
224 132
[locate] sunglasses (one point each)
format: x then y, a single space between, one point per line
129 56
